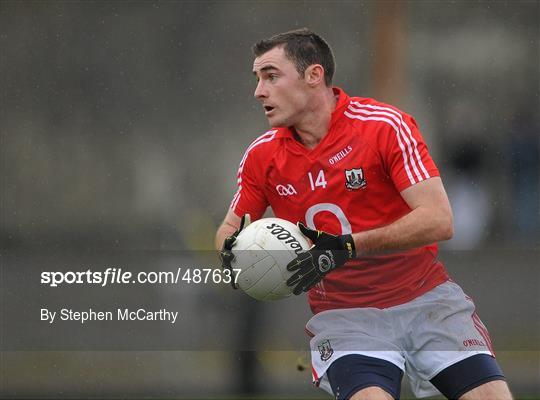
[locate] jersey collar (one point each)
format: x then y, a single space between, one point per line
342 102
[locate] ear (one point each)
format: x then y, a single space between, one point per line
314 75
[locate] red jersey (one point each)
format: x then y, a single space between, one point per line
350 182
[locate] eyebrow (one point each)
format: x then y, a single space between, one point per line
265 69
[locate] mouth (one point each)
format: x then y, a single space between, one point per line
268 110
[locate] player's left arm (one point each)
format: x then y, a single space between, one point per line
430 220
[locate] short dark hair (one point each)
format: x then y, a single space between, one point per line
304 48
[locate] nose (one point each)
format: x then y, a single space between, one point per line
260 90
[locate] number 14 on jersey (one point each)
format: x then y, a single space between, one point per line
320 181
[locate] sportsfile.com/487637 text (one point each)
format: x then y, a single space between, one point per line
119 276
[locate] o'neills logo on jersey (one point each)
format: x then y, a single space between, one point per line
340 156
354 179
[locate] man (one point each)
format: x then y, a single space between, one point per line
360 182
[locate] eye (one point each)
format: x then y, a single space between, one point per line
272 77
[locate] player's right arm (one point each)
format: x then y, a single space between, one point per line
249 197
249 200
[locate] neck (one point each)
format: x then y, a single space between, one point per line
314 126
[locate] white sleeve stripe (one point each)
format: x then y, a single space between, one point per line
391 123
417 154
411 148
267 137
403 135
236 198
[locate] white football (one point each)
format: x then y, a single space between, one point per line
262 251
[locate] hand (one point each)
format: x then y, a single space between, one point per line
327 253
226 255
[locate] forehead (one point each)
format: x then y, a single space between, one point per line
273 58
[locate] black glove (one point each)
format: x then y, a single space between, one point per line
327 253
226 255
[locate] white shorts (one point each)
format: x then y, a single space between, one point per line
422 337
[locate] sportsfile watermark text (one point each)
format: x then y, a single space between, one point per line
114 275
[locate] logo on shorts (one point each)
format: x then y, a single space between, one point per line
326 350
473 342
354 179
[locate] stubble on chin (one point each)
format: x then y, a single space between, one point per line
279 122
274 123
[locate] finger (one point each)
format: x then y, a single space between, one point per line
226 264
244 222
247 220
293 280
303 258
294 265
307 232
229 242
227 256
300 275
303 274
298 289
316 279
